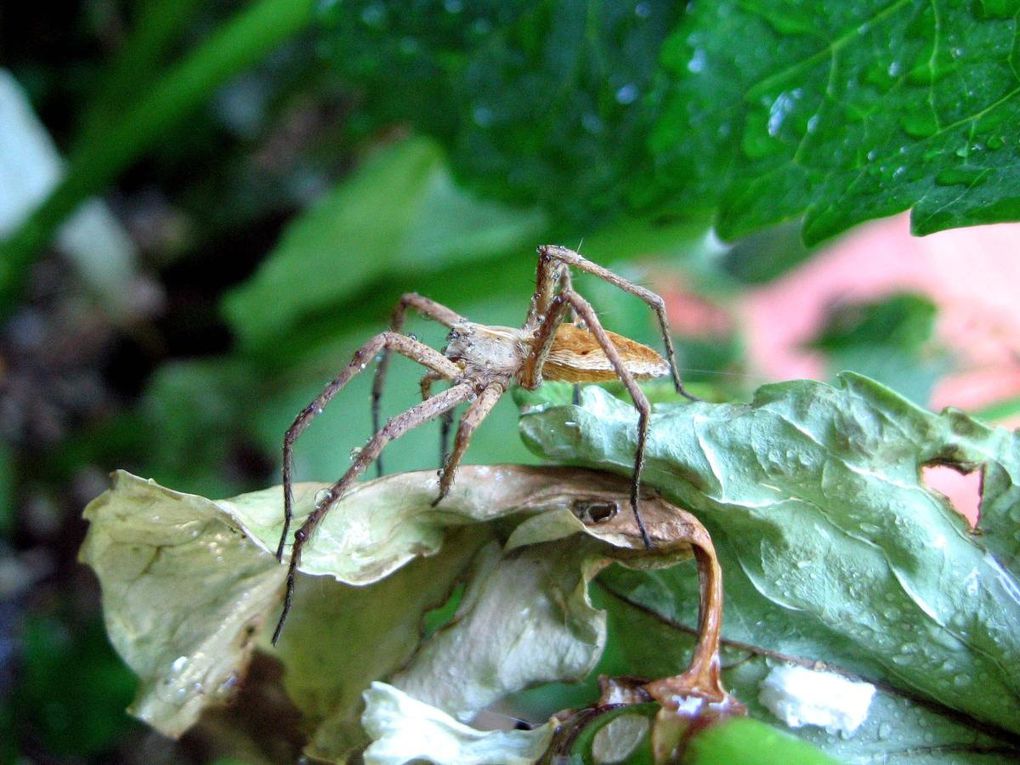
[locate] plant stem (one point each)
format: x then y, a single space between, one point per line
241 42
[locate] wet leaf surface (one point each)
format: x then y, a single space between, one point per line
834 548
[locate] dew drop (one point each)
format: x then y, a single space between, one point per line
374 15
482 115
591 122
961 680
697 62
628 94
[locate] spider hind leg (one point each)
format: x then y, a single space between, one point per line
476 412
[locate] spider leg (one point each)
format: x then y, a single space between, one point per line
562 254
428 308
396 427
583 309
545 334
476 412
406 346
445 420
548 275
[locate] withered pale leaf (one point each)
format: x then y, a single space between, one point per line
190 583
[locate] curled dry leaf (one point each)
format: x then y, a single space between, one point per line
189 584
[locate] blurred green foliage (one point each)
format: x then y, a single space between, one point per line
74 689
890 340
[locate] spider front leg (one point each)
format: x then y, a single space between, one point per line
395 428
583 309
551 252
478 411
386 341
427 308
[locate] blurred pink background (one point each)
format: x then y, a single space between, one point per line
971 274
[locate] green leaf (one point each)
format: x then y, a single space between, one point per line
817 492
87 722
758 112
652 622
537 102
842 113
207 396
400 211
903 321
752 743
888 340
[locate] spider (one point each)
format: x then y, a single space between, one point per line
481 362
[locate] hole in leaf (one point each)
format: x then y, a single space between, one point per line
961 487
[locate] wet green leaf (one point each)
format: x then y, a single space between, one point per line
543 102
816 492
651 625
841 113
758 112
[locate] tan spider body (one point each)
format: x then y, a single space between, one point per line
574 356
577 357
481 362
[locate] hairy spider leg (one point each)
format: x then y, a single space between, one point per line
430 309
445 420
385 341
476 412
393 429
562 254
583 309
553 316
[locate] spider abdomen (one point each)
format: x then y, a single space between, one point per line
576 356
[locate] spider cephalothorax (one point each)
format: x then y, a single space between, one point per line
481 362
